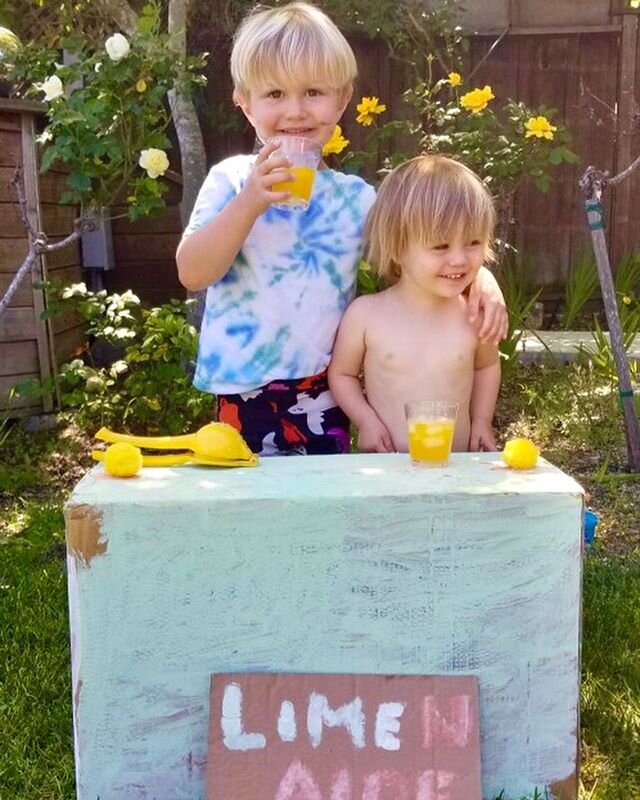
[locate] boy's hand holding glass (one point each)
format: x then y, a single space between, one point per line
268 170
304 156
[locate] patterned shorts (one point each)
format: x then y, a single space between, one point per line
297 417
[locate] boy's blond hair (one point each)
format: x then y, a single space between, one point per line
292 40
427 200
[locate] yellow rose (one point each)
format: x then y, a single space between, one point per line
477 99
154 161
540 127
336 143
455 79
367 107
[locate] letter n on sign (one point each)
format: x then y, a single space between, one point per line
281 736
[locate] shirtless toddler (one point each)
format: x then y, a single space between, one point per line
428 233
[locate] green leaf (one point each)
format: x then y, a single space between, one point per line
48 157
81 183
543 183
557 155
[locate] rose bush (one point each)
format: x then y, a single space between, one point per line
108 113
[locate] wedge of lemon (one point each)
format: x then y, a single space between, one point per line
520 454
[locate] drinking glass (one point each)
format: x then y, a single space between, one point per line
431 424
304 155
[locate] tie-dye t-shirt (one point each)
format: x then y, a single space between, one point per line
275 313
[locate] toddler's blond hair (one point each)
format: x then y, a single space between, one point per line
427 200
292 40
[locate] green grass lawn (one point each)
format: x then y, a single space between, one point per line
37 472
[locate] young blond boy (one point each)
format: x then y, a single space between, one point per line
428 233
278 280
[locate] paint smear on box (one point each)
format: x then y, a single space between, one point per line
84 535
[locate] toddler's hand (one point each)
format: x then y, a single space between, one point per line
266 171
481 437
373 437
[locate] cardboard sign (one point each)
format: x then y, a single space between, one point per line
343 737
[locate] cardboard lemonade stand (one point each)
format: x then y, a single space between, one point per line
326 628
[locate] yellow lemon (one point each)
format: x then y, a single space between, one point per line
520 454
122 460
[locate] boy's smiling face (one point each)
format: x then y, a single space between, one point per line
285 107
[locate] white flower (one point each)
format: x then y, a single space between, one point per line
154 161
44 137
52 87
117 47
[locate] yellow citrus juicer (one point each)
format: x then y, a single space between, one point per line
216 444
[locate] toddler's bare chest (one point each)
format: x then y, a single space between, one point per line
405 348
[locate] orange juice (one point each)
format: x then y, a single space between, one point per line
430 440
300 187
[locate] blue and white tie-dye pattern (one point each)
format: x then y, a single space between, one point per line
274 315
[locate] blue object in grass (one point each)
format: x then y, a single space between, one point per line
590 522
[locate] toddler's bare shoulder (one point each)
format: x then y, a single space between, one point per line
364 310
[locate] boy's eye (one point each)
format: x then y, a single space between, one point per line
276 94
442 246
314 92
474 242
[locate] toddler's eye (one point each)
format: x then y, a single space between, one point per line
443 246
275 94
314 92
474 242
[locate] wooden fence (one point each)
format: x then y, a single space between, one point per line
32 347
145 252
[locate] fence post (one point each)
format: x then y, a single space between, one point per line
622 207
591 183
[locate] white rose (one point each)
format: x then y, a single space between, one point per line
117 47
154 161
52 87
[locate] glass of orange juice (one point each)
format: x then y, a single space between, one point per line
304 155
431 425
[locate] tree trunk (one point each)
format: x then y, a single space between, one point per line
120 12
192 154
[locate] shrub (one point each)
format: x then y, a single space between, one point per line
147 389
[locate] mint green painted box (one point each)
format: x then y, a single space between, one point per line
336 564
